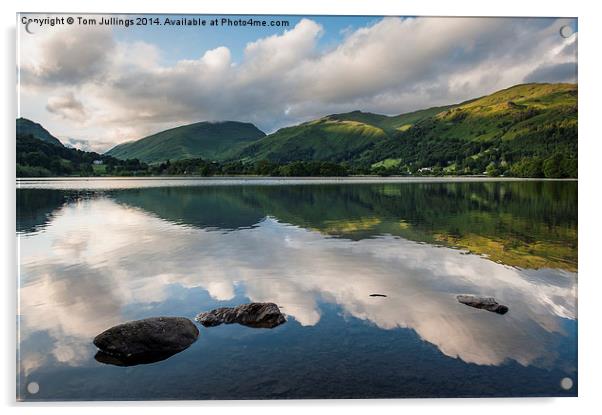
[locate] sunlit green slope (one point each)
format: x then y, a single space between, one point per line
516 128
208 140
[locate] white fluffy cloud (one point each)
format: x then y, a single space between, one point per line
392 66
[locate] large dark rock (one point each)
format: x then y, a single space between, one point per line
484 303
145 341
257 315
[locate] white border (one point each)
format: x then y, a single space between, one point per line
590 154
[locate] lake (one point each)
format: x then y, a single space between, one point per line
94 253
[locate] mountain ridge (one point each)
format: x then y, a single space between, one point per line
515 128
206 139
528 130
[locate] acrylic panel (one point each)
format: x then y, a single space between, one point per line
296 207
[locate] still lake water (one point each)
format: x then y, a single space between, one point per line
96 253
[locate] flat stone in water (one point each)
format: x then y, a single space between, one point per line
256 315
484 303
145 341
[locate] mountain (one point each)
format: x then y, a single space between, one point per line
524 129
527 130
324 139
27 127
390 124
337 137
207 140
520 128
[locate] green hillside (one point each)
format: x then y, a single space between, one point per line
38 158
336 138
390 124
208 140
328 138
30 128
527 130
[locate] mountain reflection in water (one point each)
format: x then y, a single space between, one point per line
93 260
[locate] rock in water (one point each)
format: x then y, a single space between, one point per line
485 303
257 315
134 360
148 340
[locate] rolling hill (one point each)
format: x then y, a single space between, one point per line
336 138
208 140
520 127
27 127
332 139
528 130
524 124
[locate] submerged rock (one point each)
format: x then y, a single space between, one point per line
484 303
257 315
145 341
134 360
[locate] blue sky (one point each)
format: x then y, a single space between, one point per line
97 86
192 41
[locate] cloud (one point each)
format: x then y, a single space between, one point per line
68 56
561 72
278 54
67 107
559 65
392 66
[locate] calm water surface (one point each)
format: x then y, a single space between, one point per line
95 253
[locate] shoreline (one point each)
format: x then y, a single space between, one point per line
116 183
294 178
257 177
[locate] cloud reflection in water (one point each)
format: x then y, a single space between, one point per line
96 259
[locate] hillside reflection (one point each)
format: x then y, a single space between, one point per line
528 225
